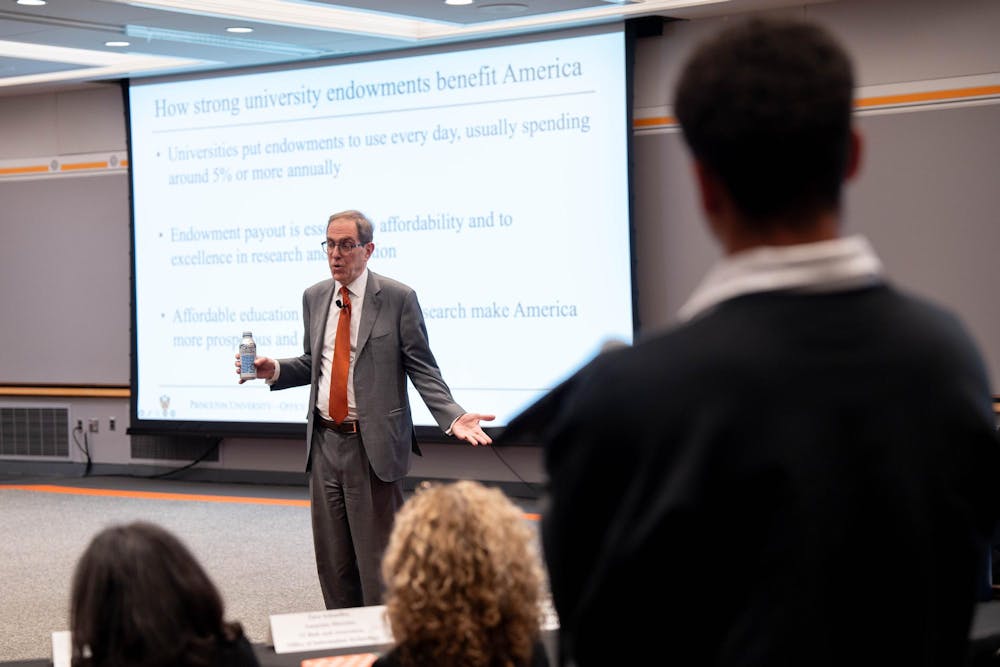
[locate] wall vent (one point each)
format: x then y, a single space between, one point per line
27 430
173 448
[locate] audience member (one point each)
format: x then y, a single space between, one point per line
141 599
463 582
804 471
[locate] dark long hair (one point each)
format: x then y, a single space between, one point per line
139 597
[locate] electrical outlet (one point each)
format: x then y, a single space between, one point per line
93 425
79 424
111 423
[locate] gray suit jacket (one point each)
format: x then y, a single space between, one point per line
392 344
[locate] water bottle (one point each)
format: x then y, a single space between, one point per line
248 352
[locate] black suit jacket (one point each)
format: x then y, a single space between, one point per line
787 480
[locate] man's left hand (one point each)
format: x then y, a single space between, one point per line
467 428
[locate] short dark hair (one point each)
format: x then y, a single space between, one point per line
140 597
365 230
765 106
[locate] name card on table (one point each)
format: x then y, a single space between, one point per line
352 660
62 648
331 628
550 619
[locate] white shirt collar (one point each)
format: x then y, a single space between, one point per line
356 288
825 266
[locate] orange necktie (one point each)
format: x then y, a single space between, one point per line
341 360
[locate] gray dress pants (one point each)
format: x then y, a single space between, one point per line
352 513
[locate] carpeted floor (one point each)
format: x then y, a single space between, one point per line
259 555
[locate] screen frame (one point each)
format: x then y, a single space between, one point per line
430 434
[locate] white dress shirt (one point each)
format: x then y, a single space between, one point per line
356 290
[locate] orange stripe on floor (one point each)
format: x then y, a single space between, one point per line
154 495
157 495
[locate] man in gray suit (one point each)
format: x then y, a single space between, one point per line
357 462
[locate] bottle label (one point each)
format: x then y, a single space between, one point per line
247 355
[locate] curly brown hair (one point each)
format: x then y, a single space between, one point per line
463 578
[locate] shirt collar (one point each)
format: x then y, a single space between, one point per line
825 266
356 288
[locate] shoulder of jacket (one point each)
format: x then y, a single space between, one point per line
320 286
379 282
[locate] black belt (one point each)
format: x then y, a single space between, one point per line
343 427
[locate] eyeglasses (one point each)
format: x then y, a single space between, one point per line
345 246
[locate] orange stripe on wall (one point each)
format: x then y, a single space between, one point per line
34 169
929 96
83 165
85 392
867 102
654 121
69 166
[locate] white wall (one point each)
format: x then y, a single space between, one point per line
88 119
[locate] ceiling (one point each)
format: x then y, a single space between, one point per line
64 42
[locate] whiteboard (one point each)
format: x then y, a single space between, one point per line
64 280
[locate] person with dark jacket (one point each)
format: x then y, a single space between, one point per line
803 471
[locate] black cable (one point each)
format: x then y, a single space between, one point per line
201 457
215 445
85 448
531 487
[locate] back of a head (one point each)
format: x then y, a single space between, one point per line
139 597
463 579
765 106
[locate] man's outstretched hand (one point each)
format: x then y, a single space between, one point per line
467 428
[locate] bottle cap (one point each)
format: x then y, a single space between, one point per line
247 333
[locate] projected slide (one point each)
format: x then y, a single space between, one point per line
496 179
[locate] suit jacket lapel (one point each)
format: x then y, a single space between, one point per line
370 311
321 310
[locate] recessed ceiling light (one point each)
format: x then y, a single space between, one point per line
117 43
458 2
33 3
239 29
